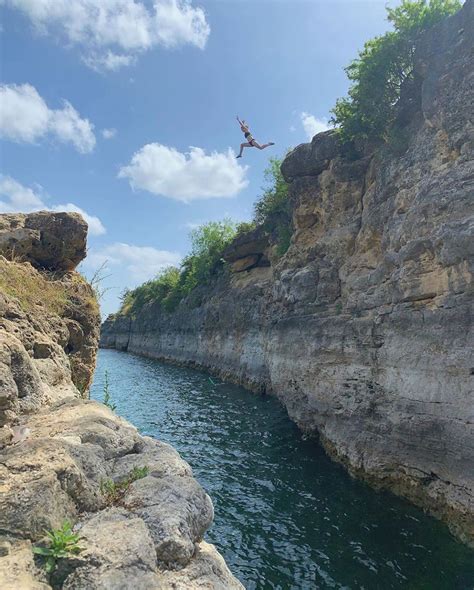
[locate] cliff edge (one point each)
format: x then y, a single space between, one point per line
363 328
138 511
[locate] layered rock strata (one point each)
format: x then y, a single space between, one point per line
363 329
60 453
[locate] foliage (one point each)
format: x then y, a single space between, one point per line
62 543
384 68
198 267
208 243
272 210
245 226
107 395
31 288
113 492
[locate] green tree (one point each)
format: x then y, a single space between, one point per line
208 243
198 267
384 67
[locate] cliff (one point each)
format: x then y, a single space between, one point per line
363 329
140 514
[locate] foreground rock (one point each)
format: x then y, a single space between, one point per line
59 452
150 538
363 329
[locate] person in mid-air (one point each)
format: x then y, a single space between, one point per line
250 140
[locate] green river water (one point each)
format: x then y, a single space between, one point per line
286 516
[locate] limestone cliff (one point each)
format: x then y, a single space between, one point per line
63 457
363 329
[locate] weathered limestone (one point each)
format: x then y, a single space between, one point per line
363 329
57 449
53 241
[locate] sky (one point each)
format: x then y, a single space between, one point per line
124 111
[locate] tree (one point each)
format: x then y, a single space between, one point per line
384 67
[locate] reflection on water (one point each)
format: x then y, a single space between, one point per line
286 516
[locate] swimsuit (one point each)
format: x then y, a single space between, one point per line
248 137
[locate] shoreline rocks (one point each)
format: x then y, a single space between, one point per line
63 457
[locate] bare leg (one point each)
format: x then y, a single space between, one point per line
262 147
242 146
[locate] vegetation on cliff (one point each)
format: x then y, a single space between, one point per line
384 71
198 267
208 242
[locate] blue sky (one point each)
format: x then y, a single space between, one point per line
125 110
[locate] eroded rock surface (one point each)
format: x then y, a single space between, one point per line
364 328
58 450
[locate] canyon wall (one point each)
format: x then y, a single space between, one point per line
133 501
363 328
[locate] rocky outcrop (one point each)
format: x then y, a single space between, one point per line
140 514
151 537
53 241
363 329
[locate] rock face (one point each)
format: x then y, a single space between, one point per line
55 241
363 329
59 451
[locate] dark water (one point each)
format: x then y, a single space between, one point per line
286 516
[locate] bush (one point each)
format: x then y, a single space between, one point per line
197 268
208 243
272 211
384 67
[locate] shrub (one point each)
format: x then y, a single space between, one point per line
384 67
208 243
62 543
272 210
198 267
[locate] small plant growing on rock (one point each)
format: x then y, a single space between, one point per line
62 543
113 492
107 395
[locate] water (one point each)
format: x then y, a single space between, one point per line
286 516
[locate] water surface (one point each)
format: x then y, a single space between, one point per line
286 517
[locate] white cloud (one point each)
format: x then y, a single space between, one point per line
16 198
113 32
109 61
140 262
25 117
109 133
312 125
165 171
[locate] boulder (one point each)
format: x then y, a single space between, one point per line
254 242
177 512
310 159
52 241
207 570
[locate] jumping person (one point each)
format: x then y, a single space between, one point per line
250 140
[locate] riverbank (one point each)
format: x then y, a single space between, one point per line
133 503
362 328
